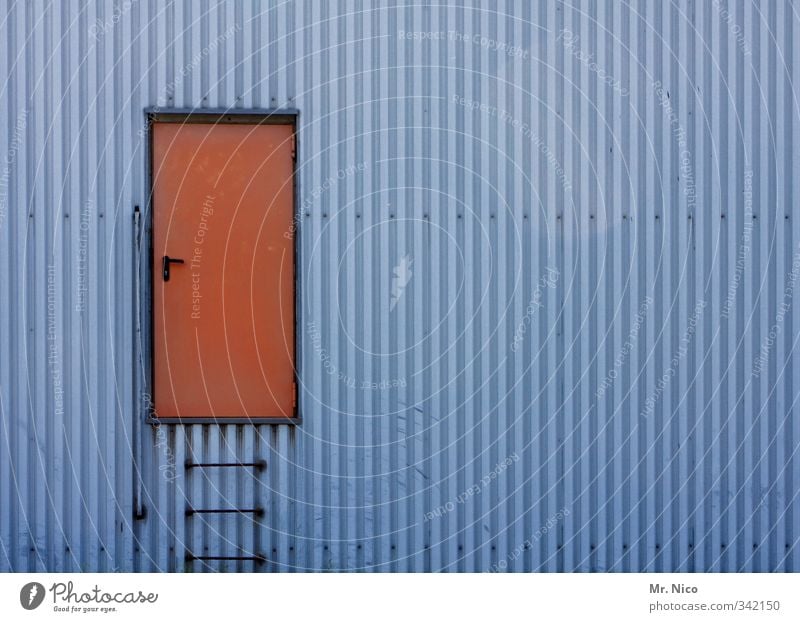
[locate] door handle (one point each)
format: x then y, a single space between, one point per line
165 265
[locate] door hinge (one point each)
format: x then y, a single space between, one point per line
294 395
294 147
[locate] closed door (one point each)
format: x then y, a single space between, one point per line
223 271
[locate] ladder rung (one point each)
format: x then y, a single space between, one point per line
257 511
258 464
259 559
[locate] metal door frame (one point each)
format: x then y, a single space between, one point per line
144 336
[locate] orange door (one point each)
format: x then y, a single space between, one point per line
223 319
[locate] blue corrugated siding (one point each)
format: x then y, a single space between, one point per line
627 216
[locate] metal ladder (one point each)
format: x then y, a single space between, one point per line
193 512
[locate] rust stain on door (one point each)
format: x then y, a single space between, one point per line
223 319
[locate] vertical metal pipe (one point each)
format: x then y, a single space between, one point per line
137 398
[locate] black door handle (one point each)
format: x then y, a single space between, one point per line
165 265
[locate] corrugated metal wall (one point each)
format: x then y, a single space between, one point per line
546 275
